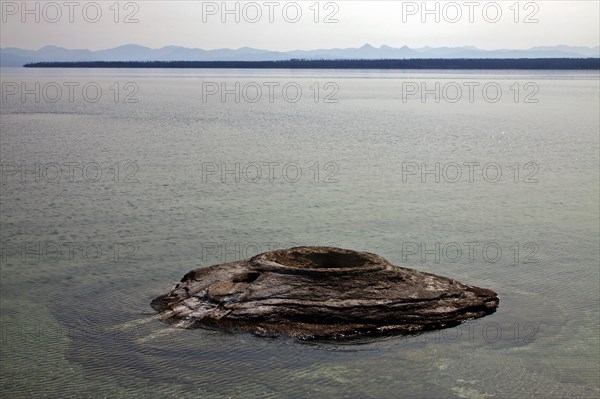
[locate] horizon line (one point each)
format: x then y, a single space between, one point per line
589 63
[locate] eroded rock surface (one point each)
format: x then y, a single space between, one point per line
320 293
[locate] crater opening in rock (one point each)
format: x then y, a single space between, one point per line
319 260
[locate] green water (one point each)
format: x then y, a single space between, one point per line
83 256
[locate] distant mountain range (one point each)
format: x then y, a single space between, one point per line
11 57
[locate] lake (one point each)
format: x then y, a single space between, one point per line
117 182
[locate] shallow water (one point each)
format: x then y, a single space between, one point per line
83 254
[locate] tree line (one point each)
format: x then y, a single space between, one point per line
460 63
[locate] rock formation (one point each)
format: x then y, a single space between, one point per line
320 293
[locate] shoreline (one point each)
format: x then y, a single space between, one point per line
391 64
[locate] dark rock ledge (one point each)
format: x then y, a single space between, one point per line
320 293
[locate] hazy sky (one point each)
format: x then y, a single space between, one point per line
298 25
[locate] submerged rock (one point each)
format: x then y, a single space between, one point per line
320 293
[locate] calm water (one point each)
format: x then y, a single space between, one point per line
106 203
